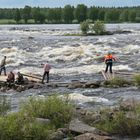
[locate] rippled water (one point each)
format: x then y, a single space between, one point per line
71 57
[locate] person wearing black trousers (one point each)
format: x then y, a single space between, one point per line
109 58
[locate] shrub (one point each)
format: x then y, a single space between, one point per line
57 110
17 126
137 79
122 122
98 27
84 27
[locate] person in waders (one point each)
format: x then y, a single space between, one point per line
109 58
47 68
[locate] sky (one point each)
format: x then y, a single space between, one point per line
62 3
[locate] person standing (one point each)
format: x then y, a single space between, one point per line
47 68
109 58
2 66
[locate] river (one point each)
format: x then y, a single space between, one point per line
71 58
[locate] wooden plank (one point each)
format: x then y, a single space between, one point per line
104 75
108 76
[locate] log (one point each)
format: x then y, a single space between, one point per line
32 76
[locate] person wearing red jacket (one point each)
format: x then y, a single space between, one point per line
109 58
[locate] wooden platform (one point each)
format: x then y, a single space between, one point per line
108 76
122 74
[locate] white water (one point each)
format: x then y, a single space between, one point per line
27 46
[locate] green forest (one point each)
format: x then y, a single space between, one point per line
69 14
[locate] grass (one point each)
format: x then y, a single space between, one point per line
117 82
137 79
59 111
4 106
121 122
23 124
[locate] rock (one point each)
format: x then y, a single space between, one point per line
52 85
37 86
43 121
91 136
82 111
30 37
80 127
75 85
92 85
3 89
29 86
64 130
58 135
20 88
88 112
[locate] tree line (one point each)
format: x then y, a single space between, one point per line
70 14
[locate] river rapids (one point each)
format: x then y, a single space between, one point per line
71 58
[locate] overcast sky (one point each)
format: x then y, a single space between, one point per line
62 3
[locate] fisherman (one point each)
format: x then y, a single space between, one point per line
19 79
109 58
47 68
2 66
11 77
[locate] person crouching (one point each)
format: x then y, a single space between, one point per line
10 78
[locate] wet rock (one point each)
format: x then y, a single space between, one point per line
30 37
29 86
52 85
3 89
75 85
43 121
37 86
20 88
79 127
92 85
122 32
91 136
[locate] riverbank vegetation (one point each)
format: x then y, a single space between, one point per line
52 118
37 119
68 14
123 121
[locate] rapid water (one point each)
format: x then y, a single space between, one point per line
72 58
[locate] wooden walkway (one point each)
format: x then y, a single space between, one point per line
120 74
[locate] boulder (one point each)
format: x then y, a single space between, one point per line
58 135
92 85
75 85
20 88
79 127
91 136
